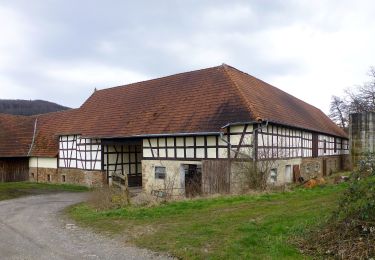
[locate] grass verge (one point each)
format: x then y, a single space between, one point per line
237 227
11 190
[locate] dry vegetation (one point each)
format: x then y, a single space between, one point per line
350 232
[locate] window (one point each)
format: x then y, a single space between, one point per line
273 175
335 145
160 172
63 178
48 177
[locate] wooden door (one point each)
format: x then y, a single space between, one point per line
296 173
215 176
288 173
324 167
315 145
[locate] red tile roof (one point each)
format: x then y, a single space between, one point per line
190 102
16 134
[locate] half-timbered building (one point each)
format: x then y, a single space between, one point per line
198 125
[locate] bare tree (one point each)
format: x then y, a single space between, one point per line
339 111
356 100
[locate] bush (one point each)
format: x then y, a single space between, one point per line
108 198
350 232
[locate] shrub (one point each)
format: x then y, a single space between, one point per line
350 232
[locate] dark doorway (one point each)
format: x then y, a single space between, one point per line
123 158
193 180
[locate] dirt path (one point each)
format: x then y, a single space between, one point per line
32 228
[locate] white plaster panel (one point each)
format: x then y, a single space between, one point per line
43 162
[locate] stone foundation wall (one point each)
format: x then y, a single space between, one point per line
309 168
313 167
240 172
174 179
71 176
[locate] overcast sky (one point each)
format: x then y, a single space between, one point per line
60 50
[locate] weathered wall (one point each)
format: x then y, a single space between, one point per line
309 168
71 176
175 175
239 172
362 135
313 167
43 162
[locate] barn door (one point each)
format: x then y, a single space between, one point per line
215 176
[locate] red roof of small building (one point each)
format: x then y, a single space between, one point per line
199 101
16 134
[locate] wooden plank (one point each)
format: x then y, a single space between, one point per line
215 176
14 169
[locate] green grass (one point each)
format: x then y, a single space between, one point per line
11 190
237 227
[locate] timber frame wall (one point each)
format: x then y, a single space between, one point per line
200 147
264 142
81 153
271 141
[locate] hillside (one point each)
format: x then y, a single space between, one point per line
28 107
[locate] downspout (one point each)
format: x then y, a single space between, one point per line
255 134
33 140
31 147
253 141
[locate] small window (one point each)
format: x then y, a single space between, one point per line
49 177
273 175
160 172
32 175
63 178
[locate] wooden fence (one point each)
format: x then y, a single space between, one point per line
14 169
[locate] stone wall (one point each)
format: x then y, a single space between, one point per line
175 176
239 172
71 176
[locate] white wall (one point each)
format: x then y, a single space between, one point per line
43 162
78 152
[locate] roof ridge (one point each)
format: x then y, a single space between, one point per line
157 78
242 96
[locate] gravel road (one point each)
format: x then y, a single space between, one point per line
33 228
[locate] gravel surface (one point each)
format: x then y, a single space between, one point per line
33 228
